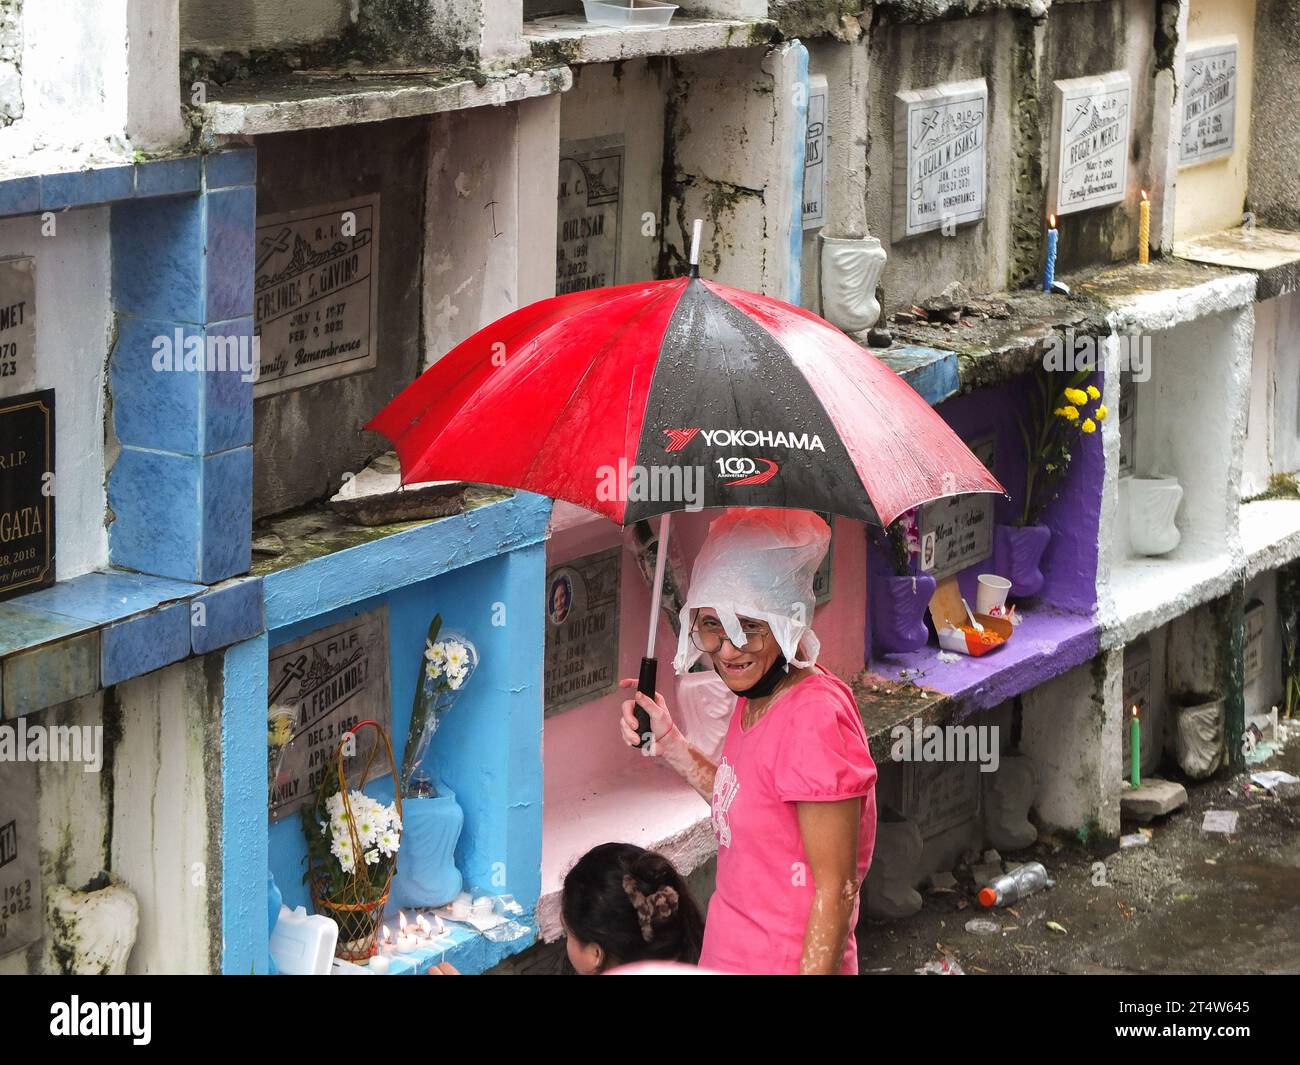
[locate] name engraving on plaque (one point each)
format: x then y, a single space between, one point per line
590 200
940 136
17 326
26 493
316 294
1209 102
958 531
1091 134
582 605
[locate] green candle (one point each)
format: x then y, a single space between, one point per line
1135 751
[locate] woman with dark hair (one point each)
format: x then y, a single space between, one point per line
623 904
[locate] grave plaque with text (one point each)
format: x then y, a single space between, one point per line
1091 135
1209 102
17 326
814 155
958 531
328 680
26 493
590 199
1254 650
582 605
939 156
22 911
316 294
942 795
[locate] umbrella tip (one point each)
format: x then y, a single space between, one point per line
695 248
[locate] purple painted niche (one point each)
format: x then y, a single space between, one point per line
1069 562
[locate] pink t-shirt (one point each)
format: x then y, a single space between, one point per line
809 747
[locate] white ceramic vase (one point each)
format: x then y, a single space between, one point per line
1153 504
851 269
93 930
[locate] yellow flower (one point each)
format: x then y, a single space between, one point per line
1093 393
1101 413
1070 414
1077 396
1089 426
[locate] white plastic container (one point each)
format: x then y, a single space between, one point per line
991 592
628 12
303 944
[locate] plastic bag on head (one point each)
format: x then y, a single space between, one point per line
758 562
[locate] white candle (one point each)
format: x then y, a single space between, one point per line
405 944
379 964
387 946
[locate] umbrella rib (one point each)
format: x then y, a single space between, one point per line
603 351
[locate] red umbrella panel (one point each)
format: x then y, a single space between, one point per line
767 404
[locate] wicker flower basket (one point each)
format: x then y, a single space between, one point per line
356 909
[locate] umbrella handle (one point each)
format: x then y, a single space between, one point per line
645 683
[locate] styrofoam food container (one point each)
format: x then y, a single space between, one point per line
621 13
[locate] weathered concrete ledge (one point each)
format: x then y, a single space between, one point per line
941 10
1012 331
1273 255
571 39
319 99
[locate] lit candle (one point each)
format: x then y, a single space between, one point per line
387 945
1049 270
379 964
405 943
1144 229
1135 750
425 929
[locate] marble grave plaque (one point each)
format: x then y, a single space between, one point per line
940 156
590 202
1209 102
1091 135
17 326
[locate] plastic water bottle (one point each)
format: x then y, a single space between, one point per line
1014 886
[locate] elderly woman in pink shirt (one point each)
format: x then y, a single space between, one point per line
793 795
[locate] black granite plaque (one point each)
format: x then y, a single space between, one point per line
26 493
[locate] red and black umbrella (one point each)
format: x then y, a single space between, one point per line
764 403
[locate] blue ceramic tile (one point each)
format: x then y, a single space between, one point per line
105 596
237 167
157 402
228 397
144 643
81 188
52 674
232 226
158 259
155 500
167 177
23 627
227 549
20 195
228 614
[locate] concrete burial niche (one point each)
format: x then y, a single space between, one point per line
1273 429
1057 631
1103 53
611 174
942 154
1274 191
1175 469
1212 119
61 281
326 370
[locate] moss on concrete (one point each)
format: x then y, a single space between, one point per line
1280 486
1027 166
817 18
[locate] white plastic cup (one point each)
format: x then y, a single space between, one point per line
992 592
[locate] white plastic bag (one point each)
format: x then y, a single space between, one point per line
758 562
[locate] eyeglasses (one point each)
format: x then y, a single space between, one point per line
708 636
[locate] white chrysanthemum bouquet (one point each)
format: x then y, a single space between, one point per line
446 666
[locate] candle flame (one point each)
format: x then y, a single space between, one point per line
1135 710
401 921
424 925
1051 221
388 936
1144 194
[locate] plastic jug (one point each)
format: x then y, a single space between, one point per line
302 943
